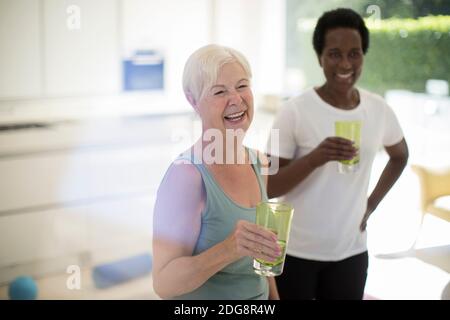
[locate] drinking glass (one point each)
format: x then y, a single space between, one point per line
350 130
276 217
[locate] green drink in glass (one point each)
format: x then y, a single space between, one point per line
350 130
277 218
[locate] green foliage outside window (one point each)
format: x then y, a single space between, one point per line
403 53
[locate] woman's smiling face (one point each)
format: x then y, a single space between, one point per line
228 104
342 58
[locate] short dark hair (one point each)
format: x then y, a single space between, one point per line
339 18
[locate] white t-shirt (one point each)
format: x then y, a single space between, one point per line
329 206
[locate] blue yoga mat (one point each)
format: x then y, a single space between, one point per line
110 274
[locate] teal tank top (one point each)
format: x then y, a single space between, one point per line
237 281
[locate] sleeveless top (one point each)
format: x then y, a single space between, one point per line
237 281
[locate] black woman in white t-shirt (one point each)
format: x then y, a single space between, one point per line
327 254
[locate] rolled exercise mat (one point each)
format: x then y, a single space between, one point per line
110 274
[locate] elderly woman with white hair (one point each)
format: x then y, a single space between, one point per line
204 236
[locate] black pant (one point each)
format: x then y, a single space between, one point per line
304 279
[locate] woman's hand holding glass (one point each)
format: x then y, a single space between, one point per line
331 149
249 239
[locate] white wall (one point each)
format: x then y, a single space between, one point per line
256 28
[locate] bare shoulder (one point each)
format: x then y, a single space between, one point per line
180 175
181 190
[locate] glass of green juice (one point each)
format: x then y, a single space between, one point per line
350 130
276 217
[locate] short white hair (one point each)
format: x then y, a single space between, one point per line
202 68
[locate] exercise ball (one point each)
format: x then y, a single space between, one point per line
23 288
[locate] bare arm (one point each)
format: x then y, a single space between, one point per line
177 220
398 158
292 172
273 291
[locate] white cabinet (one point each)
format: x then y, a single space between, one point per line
20 54
81 189
84 60
100 230
62 48
42 55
